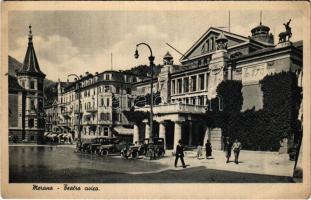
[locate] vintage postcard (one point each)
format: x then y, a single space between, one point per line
183 100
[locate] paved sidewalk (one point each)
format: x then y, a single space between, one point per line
268 163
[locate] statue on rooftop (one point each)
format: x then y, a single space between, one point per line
287 34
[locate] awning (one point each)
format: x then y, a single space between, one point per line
124 131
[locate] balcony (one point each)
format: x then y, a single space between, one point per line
67 112
91 109
174 108
76 111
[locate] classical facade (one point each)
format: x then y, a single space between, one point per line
184 90
216 56
26 113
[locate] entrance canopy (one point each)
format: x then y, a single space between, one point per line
124 131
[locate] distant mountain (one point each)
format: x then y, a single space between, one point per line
14 65
144 70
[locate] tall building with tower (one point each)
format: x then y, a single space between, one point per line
27 119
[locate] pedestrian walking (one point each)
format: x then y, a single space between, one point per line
225 139
180 154
208 149
236 149
228 150
199 151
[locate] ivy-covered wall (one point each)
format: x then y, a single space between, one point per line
262 129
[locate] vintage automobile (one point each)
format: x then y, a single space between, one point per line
152 148
112 146
131 151
155 148
91 146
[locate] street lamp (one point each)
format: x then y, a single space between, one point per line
151 59
79 106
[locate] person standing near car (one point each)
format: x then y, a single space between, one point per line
236 149
180 154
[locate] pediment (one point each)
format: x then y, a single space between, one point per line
206 43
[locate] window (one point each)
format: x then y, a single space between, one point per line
186 84
199 63
32 85
107 102
104 116
201 81
32 138
173 86
107 77
128 90
107 88
187 100
40 85
206 81
201 100
23 83
118 90
106 131
31 123
101 102
193 83
193 100
179 85
32 104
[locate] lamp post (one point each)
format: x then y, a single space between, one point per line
79 106
151 60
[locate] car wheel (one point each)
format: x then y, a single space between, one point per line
105 153
135 154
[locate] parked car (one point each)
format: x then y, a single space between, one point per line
155 148
113 146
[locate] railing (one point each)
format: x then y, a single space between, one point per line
76 111
91 109
174 108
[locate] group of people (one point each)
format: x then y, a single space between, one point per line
236 147
228 147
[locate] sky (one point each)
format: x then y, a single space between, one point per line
78 41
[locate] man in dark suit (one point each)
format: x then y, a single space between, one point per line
179 154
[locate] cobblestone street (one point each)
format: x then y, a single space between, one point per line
55 164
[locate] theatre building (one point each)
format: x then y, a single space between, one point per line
93 104
216 56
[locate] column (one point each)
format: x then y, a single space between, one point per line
177 133
147 130
162 132
190 134
136 134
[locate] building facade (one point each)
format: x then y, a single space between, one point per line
184 90
26 113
